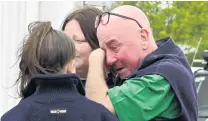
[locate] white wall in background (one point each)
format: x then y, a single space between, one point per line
14 19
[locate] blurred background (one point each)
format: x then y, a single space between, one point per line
185 22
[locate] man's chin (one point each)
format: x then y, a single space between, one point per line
123 73
124 76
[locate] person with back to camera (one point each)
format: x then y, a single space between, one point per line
49 87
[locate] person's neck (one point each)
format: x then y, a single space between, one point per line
150 50
82 74
154 46
83 78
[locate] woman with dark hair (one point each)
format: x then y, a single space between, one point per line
80 27
49 87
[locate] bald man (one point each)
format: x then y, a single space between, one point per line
159 82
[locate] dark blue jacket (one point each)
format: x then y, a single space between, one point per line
170 62
57 98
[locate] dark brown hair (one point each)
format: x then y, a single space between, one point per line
86 19
45 51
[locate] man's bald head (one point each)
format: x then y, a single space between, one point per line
116 23
125 35
133 12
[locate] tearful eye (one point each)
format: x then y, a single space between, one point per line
80 41
114 46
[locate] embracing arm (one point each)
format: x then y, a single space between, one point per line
96 87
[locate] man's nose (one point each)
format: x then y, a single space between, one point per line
110 58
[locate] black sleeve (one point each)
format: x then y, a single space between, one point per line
108 116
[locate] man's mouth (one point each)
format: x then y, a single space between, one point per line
119 69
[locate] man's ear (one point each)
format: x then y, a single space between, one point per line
70 67
144 38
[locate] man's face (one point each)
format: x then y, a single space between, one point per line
122 45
